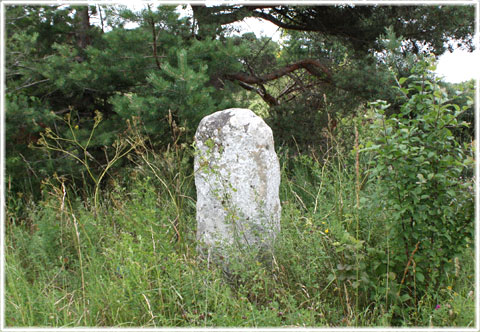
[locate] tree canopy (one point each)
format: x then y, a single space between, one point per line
424 28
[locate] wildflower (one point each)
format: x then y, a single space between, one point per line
437 307
326 231
323 222
76 127
457 267
449 287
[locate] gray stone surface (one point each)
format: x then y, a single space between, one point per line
237 176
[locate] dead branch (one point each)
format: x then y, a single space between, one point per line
313 66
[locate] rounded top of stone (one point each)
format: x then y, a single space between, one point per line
235 110
223 117
232 117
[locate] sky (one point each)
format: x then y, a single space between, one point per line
459 66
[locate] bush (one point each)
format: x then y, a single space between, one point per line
421 170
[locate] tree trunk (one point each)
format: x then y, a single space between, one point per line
83 29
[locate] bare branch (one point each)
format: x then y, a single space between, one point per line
262 92
313 66
31 84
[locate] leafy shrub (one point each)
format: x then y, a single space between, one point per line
421 171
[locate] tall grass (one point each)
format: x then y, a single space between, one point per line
129 259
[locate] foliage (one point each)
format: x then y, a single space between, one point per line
124 264
100 222
462 94
347 39
171 70
73 148
359 26
422 171
51 71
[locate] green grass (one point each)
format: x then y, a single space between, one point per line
132 261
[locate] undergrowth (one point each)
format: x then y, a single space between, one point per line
125 253
124 264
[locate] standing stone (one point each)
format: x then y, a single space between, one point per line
237 176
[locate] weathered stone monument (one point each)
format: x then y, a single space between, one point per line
237 176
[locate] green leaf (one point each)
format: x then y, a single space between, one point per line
402 80
405 297
421 178
420 277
